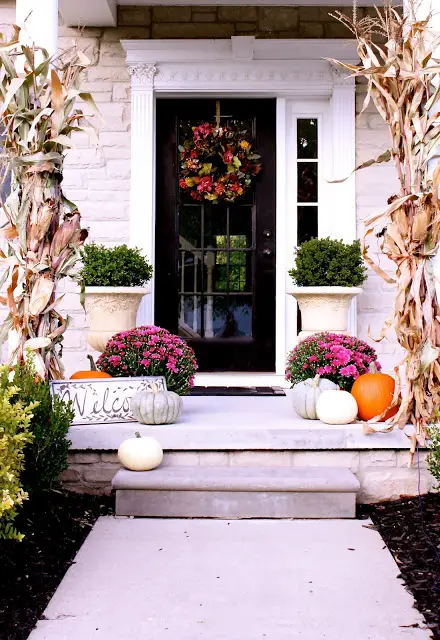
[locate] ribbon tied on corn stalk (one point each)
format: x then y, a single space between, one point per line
42 231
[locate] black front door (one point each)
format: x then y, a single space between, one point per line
215 263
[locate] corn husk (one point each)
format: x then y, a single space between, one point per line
403 77
43 229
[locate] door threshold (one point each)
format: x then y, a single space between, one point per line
240 379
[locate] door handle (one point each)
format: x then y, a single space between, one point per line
267 252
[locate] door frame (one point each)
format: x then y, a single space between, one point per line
292 71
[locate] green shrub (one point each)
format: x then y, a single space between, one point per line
15 435
434 450
114 266
46 455
323 262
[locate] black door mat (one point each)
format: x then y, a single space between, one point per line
237 391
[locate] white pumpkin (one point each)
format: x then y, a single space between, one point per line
336 407
305 395
156 407
140 454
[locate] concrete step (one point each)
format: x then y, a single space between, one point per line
237 492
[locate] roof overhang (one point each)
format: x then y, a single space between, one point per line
90 13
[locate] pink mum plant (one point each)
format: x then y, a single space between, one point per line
334 356
150 351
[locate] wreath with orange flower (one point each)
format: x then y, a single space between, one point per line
217 163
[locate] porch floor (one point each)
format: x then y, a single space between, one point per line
238 423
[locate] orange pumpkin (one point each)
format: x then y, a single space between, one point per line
373 393
93 373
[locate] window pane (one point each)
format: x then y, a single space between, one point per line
240 227
219 271
189 271
307 182
307 138
215 226
241 308
190 226
240 271
307 223
190 316
228 316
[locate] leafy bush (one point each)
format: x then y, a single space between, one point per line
333 356
46 455
15 418
150 351
323 262
114 266
434 450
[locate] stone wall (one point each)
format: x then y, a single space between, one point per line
224 22
383 474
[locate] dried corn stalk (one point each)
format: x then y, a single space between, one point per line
404 83
43 231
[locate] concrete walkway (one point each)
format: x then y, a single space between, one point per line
239 580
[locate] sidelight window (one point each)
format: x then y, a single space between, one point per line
307 191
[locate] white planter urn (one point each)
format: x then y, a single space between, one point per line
324 308
111 309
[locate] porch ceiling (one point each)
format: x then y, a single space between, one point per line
103 13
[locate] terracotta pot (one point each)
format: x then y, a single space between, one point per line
324 308
111 309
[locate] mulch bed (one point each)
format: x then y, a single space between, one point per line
55 526
411 530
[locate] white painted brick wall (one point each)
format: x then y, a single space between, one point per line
373 187
98 180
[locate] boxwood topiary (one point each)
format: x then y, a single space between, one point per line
119 266
323 262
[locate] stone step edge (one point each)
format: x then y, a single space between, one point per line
251 479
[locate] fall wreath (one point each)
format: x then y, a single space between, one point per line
218 163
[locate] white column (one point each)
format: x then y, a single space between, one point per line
343 112
142 198
39 22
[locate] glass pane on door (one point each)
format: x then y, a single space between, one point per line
216 273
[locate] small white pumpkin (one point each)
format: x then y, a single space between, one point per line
336 407
305 395
156 407
140 454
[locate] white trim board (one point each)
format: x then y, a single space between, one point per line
292 71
